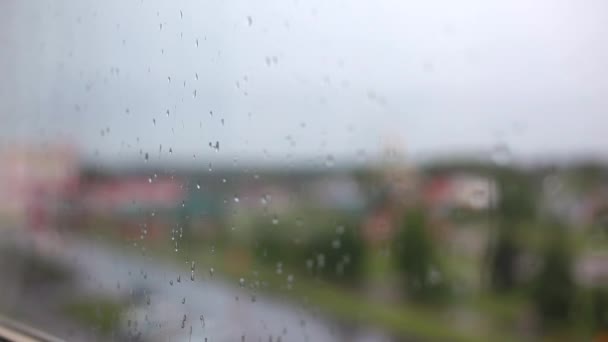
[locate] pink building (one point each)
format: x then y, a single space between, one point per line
125 194
33 182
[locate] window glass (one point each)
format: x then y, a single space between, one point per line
304 170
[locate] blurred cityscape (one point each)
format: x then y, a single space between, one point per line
448 250
304 171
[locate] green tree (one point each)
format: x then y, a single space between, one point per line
517 196
503 255
330 247
599 309
516 205
337 254
554 289
417 259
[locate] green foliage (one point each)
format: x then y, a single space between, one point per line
34 269
517 196
276 243
326 246
588 175
100 313
503 254
554 290
516 205
336 255
599 308
417 261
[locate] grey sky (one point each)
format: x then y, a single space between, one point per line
433 76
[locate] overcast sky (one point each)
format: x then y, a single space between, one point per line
302 80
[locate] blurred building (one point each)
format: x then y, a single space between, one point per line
398 190
460 191
269 196
132 204
132 195
338 192
575 206
35 181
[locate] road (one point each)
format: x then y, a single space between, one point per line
167 305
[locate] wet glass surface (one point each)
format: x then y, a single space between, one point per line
304 170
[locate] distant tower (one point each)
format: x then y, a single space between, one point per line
393 151
401 177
